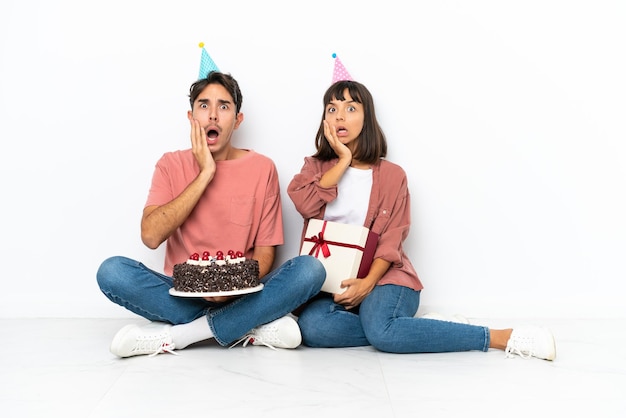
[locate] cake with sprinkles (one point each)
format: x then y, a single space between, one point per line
219 273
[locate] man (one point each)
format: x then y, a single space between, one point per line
211 197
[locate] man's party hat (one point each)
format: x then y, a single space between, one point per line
206 63
340 73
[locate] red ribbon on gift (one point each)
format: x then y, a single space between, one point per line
320 243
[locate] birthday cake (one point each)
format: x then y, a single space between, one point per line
219 273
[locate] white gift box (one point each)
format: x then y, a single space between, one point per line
346 251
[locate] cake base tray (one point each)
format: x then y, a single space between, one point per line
175 292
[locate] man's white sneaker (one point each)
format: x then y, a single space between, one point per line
281 333
531 341
134 340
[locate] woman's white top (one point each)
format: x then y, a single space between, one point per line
353 198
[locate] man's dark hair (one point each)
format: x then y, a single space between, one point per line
216 77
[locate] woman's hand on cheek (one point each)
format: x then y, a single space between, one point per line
340 149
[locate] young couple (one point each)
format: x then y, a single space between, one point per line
214 196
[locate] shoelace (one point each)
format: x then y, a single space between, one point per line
164 348
512 349
251 338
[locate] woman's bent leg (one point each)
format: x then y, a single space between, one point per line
323 323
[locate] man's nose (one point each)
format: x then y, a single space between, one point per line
213 114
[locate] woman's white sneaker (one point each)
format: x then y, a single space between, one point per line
530 341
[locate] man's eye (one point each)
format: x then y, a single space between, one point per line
203 106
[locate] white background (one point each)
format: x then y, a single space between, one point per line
509 118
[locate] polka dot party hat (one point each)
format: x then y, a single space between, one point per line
340 73
206 63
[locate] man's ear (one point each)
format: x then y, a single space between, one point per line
190 115
239 120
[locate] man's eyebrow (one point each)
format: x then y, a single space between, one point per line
220 101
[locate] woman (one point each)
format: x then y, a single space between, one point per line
348 181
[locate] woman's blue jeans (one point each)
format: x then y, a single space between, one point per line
386 321
145 292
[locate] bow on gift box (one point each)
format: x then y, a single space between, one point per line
320 243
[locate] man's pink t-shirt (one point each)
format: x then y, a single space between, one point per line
240 208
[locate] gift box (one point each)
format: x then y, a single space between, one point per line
346 251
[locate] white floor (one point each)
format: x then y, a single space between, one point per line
62 367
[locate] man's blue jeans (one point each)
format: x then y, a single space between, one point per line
385 320
145 292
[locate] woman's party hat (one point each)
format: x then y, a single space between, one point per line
207 65
340 73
